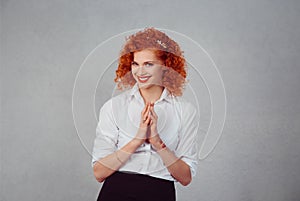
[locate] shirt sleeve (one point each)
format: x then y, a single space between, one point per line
187 147
106 139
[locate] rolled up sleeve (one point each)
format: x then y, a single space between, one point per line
187 147
106 139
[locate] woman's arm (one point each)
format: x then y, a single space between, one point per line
177 167
112 162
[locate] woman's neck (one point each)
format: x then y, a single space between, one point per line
152 93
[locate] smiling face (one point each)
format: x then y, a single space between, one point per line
147 68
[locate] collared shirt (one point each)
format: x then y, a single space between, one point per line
177 125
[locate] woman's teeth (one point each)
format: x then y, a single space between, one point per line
144 79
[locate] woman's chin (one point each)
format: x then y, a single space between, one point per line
145 85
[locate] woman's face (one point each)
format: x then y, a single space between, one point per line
147 68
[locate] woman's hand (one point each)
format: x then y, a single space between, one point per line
153 121
141 135
153 137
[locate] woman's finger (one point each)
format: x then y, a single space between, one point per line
154 121
145 112
147 120
145 108
153 112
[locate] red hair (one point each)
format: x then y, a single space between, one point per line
164 48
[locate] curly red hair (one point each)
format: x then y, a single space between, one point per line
167 50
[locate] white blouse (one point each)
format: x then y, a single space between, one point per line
177 126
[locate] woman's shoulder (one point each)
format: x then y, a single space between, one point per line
185 104
117 100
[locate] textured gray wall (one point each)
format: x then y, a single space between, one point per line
255 45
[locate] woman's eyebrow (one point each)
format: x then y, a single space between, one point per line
144 62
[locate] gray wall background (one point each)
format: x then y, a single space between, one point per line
255 45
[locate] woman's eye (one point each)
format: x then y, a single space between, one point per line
134 64
149 64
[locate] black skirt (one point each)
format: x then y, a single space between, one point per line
121 186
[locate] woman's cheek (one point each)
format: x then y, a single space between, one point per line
133 72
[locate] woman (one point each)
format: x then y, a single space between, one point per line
146 136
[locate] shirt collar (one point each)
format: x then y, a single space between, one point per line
166 95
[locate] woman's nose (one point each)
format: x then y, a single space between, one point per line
141 70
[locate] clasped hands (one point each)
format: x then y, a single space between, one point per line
148 127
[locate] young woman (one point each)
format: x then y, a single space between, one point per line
146 136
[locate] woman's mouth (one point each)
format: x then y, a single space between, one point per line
143 79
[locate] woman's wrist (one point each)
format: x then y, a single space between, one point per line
157 143
154 138
137 142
